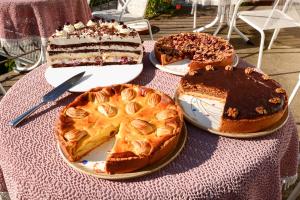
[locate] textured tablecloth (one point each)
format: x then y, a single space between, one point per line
209 167
24 21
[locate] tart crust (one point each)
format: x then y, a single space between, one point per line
247 96
146 124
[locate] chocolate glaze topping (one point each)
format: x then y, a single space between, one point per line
249 93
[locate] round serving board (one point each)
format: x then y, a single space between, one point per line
94 160
95 76
180 68
206 114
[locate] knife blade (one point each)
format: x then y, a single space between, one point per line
50 96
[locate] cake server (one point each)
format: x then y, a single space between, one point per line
50 96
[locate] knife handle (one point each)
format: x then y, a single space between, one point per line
20 118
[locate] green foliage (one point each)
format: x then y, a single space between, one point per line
9 65
156 7
94 3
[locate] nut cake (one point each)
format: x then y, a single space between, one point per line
201 48
145 123
98 42
252 101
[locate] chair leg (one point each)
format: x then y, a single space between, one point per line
295 193
293 94
2 90
149 29
261 48
275 34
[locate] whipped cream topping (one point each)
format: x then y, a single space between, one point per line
79 25
91 23
61 33
69 28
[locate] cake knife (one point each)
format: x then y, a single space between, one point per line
50 96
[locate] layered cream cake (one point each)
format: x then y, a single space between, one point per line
96 43
242 99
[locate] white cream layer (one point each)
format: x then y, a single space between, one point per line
95 39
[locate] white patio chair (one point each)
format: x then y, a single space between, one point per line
283 15
128 11
296 192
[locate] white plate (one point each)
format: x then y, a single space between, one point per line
206 114
93 163
180 68
95 76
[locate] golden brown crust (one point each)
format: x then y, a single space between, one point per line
120 161
251 126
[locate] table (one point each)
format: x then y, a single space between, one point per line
23 22
209 167
224 13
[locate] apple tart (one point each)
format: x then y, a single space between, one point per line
146 125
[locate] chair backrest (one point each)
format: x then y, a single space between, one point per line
284 14
136 8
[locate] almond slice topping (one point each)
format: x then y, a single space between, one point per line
101 97
164 131
74 135
141 147
76 113
142 126
166 114
154 99
132 108
107 110
128 94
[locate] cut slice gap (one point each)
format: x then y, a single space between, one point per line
207 111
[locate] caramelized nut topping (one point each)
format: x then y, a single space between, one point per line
166 114
101 97
209 68
275 100
128 94
280 90
74 135
229 68
232 112
132 108
154 99
141 147
261 110
164 131
142 126
249 70
107 110
265 77
76 113
193 72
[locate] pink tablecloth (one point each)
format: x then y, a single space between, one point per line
24 20
209 167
